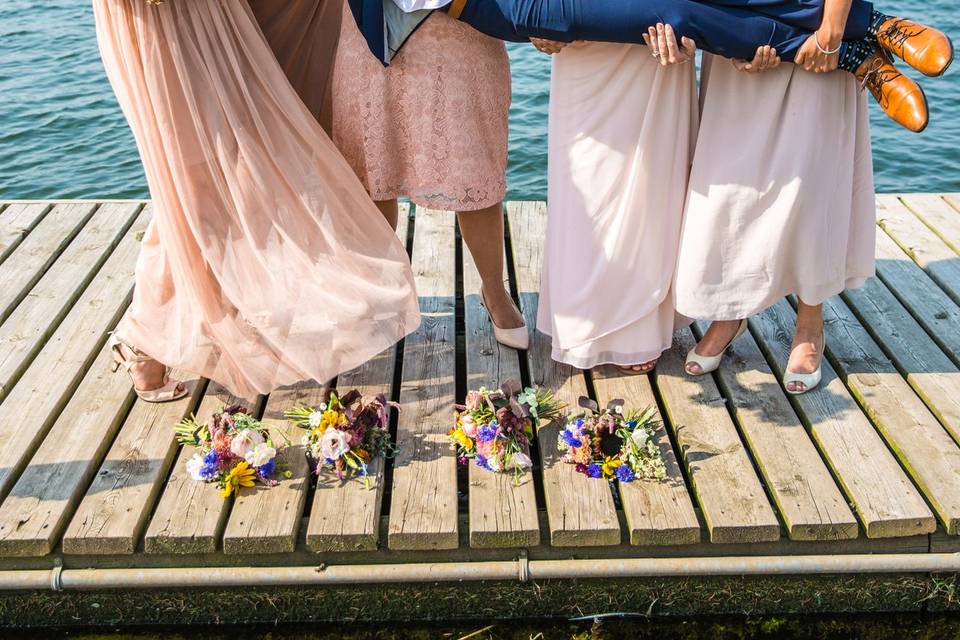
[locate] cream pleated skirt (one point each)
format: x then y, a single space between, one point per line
781 197
620 139
266 262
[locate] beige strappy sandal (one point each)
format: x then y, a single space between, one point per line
171 389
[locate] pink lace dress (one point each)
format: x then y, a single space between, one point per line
433 125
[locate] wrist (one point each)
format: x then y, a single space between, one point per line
830 35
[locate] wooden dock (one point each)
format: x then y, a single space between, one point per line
91 477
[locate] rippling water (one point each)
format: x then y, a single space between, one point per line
63 136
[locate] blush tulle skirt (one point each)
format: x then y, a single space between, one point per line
265 262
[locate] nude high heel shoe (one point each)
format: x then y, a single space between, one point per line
171 389
518 338
709 364
810 381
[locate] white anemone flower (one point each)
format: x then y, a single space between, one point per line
244 442
194 465
334 443
261 455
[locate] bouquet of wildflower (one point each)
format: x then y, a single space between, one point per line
495 428
346 433
234 450
614 444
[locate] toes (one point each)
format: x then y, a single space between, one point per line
694 368
796 387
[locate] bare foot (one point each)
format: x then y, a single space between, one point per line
646 367
502 309
148 375
715 340
807 349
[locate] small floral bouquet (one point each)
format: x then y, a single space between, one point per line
234 450
613 444
495 428
346 433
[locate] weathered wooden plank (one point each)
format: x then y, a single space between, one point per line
30 409
37 316
267 519
883 497
191 515
723 480
927 303
345 516
921 244
657 512
925 450
503 509
30 260
17 221
953 199
38 507
423 505
113 514
806 496
934 377
936 213
580 510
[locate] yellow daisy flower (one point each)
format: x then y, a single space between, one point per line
241 475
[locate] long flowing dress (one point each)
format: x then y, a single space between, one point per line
266 262
433 125
621 132
781 197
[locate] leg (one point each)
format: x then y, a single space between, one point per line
727 31
390 211
481 230
715 341
805 14
807 349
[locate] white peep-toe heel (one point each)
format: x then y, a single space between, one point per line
171 389
810 381
709 364
518 338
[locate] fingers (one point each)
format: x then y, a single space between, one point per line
689 46
662 44
548 46
651 39
740 65
673 49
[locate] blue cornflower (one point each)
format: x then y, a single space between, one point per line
481 461
580 423
625 473
570 438
594 470
632 424
487 432
364 470
266 470
209 469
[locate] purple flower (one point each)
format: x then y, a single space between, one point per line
570 439
462 460
209 469
266 470
581 468
625 473
487 432
594 470
481 461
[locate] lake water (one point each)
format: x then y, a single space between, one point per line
62 135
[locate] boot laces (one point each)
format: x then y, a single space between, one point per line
875 77
900 31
